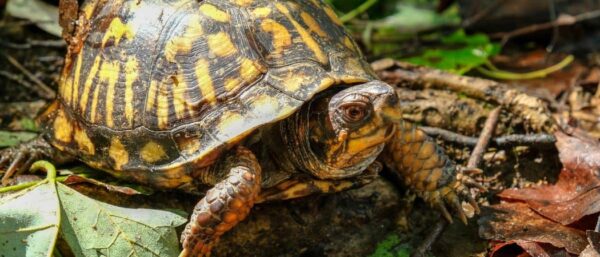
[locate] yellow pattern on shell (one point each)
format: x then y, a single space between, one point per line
117 30
152 152
76 80
281 36
179 90
312 24
63 129
214 13
83 141
88 84
205 82
243 3
131 74
118 153
248 70
182 44
331 13
162 106
306 37
110 74
220 44
231 84
261 12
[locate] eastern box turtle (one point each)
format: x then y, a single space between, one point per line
260 100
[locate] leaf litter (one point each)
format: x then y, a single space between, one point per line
558 216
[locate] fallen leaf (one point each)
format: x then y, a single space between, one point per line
29 222
516 221
95 228
577 192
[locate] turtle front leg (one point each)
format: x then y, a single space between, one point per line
427 171
226 204
17 159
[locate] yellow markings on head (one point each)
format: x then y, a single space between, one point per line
63 129
152 152
84 142
117 30
243 3
183 44
118 153
214 13
306 37
249 70
331 13
220 44
205 82
281 36
261 12
131 74
231 84
312 24
88 84
109 73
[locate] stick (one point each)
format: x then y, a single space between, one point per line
46 92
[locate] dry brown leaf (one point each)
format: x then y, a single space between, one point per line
516 221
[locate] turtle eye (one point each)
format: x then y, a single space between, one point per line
355 111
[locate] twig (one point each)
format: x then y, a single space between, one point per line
533 140
33 43
532 109
46 92
437 230
474 160
484 138
563 20
16 79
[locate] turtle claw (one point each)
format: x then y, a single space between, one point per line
450 195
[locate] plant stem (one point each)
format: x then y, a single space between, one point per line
498 74
360 9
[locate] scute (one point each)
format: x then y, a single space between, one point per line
188 79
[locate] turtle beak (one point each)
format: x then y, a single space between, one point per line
390 107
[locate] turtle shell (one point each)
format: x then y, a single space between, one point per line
166 86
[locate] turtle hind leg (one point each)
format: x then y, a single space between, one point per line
223 206
17 159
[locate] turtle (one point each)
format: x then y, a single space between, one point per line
241 101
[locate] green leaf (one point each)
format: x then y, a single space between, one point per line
8 138
29 222
93 228
460 54
391 247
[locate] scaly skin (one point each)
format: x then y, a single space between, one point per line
226 204
426 169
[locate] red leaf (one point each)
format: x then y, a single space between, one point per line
516 221
577 191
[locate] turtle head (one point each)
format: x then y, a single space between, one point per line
349 129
